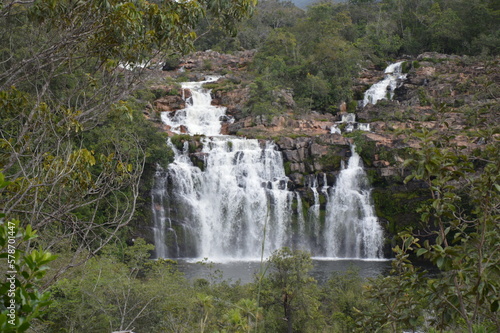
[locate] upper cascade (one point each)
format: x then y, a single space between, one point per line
385 89
199 117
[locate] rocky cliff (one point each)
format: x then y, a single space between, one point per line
450 94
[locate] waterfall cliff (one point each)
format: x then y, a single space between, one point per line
238 203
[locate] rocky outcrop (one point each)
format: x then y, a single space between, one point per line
304 155
434 82
449 94
283 125
212 61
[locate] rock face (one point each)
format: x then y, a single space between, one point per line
449 94
207 61
308 147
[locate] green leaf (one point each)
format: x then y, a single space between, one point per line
421 251
440 262
408 178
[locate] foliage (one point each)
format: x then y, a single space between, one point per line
342 301
22 299
316 64
252 31
290 286
317 54
72 138
120 290
462 227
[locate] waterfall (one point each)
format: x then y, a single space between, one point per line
162 233
199 116
364 127
350 120
385 89
239 198
335 129
351 227
314 213
243 187
158 195
302 242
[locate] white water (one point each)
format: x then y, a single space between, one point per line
314 214
335 129
351 228
350 120
240 200
364 127
385 89
241 193
199 116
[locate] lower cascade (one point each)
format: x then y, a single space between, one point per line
238 205
351 226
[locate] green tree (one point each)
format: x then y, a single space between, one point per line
120 289
294 289
22 300
462 223
72 139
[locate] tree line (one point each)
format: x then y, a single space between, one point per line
316 53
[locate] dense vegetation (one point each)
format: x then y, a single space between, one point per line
317 53
74 143
77 152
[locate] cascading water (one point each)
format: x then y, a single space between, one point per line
242 188
385 89
314 214
224 210
162 233
352 229
350 120
199 116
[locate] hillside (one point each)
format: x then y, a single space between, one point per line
457 96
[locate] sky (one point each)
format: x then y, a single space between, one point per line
304 3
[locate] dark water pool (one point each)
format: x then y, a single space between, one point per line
244 271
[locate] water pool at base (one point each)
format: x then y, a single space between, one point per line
244 271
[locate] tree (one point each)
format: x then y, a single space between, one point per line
459 236
120 289
70 135
294 288
21 299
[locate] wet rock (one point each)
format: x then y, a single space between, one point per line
169 103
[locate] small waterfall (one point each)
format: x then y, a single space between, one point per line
351 227
302 242
385 89
199 117
335 129
162 233
314 213
325 187
364 127
350 120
